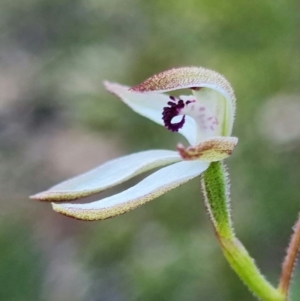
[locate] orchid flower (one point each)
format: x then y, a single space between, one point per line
204 118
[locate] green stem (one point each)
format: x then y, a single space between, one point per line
215 186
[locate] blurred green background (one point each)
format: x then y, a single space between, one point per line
56 121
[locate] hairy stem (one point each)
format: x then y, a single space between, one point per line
290 260
215 187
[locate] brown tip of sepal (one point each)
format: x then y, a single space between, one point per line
59 196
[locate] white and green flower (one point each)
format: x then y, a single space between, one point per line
205 118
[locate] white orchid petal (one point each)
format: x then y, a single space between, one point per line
107 175
151 106
150 188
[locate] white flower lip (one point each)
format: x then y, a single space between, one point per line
207 121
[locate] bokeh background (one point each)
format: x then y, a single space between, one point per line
56 121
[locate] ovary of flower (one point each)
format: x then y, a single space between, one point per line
205 119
